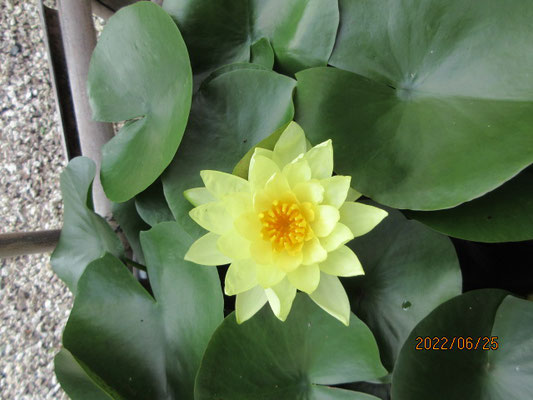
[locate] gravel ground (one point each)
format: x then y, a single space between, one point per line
34 303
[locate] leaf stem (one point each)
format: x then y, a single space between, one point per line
132 263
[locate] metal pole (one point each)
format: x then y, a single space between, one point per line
101 10
19 243
79 37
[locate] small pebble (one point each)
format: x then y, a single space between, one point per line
15 50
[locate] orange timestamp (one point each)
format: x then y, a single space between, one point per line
457 343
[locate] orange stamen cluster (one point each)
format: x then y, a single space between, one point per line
284 226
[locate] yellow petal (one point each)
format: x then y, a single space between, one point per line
353 194
335 190
204 251
213 217
361 218
261 169
238 203
340 235
320 160
198 196
342 262
310 191
261 251
241 276
269 275
248 226
280 298
308 211
248 303
313 252
326 217
263 152
305 277
290 145
287 262
276 186
331 297
221 183
234 246
297 171
261 201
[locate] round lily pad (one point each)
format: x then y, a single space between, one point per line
479 348
265 358
139 73
433 106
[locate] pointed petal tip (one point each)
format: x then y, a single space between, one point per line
282 318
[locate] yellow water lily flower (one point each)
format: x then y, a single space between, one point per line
283 229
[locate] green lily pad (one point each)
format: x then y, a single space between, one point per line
132 225
289 358
85 235
262 53
152 205
409 270
74 380
501 373
301 32
232 67
503 215
141 347
438 107
139 72
230 114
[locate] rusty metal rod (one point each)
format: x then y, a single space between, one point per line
101 10
20 243
79 38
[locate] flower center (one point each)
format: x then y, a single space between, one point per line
285 227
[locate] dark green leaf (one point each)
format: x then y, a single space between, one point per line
152 205
230 114
327 393
302 32
85 235
409 270
139 72
265 358
501 374
441 109
74 381
503 215
141 347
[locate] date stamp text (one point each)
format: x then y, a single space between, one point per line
444 343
